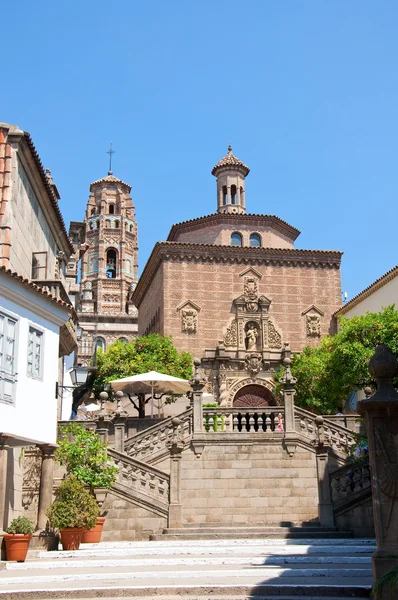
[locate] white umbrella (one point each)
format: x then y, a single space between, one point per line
150 383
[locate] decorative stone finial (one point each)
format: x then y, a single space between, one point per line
229 148
383 366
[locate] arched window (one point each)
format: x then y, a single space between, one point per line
107 223
131 229
92 212
255 240
126 225
123 340
91 225
224 194
236 239
98 224
233 194
99 343
111 209
117 224
111 263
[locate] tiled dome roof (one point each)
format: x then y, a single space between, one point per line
230 160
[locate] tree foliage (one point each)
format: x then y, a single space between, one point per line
328 374
151 352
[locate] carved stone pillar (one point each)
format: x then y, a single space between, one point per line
46 483
197 383
380 413
103 419
288 382
176 448
3 478
325 507
119 421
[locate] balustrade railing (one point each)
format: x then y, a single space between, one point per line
243 420
350 482
155 440
339 438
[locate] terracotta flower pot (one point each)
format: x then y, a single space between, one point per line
17 545
93 535
71 537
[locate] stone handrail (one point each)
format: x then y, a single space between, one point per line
141 483
339 438
243 419
350 484
153 443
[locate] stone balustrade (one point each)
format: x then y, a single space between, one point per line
242 419
338 437
350 482
155 441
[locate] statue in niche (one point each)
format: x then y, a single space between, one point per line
251 337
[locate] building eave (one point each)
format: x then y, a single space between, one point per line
234 219
234 254
373 287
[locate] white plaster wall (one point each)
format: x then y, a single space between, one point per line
34 412
384 296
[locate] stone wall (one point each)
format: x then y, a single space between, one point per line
221 234
213 287
248 483
358 519
126 521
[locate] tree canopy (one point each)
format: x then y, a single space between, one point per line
328 374
151 352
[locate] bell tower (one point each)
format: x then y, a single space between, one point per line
231 173
109 267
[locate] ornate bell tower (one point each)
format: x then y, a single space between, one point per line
109 268
231 173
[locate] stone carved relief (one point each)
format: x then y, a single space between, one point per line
231 336
189 320
274 337
253 363
251 294
111 298
313 325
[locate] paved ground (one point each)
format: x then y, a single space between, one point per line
240 569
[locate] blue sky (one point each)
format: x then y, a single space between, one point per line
306 91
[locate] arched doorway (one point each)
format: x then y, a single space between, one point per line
254 396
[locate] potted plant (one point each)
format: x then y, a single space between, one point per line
17 538
85 456
73 510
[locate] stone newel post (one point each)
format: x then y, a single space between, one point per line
119 417
46 483
176 448
325 507
288 383
197 383
103 419
380 413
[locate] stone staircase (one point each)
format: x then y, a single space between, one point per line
238 569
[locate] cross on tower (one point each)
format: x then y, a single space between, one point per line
110 152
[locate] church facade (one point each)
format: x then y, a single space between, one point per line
109 266
231 289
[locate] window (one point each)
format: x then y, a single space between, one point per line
111 258
92 212
236 239
255 240
131 229
117 224
111 209
233 194
224 194
8 329
35 352
99 343
39 265
123 340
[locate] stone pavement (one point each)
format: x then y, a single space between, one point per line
233 569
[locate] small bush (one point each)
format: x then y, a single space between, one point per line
21 525
74 506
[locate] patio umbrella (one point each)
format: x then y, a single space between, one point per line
151 382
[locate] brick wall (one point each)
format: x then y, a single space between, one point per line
221 234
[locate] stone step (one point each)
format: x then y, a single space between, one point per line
231 534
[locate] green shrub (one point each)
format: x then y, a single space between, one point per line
84 455
74 506
21 525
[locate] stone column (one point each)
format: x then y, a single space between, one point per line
3 478
197 383
380 413
288 382
325 507
46 483
103 419
176 448
119 422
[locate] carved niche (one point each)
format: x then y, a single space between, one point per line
189 317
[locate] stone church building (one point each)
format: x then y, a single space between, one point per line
231 289
108 267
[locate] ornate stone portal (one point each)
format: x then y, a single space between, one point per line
250 352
